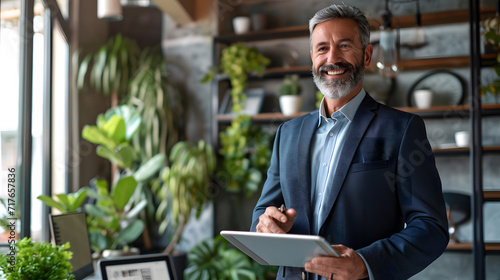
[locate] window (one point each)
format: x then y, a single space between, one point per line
27 108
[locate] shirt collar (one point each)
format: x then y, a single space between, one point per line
348 110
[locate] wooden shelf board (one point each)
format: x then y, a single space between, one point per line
441 111
466 246
491 195
427 19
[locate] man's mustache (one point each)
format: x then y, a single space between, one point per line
336 66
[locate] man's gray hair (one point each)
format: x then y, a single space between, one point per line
342 11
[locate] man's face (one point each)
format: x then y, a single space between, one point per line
338 57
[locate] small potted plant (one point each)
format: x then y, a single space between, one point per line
290 98
37 260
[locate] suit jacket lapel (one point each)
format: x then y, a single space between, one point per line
307 130
361 121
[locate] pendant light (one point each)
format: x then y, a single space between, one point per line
109 10
387 55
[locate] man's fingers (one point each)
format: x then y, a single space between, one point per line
274 221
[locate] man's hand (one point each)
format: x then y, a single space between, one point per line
350 265
274 221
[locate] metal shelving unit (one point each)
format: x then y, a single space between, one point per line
475 61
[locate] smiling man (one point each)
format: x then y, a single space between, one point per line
356 172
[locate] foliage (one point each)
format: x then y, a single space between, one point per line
491 33
290 85
157 102
212 259
246 151
245 156
37 260
66 202
113 133
109 69
185 186
112 222
238 61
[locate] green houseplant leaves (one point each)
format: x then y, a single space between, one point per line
109 69
185 186
66 202
212 259
38 260
113 223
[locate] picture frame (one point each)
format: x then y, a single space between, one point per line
253 102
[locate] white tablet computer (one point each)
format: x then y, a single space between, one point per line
280 249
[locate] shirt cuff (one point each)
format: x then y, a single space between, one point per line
370 274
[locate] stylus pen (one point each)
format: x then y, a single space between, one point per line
282 208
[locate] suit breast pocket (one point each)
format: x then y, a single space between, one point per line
367 166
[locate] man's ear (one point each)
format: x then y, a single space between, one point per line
368 55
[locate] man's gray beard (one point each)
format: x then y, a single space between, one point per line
338 88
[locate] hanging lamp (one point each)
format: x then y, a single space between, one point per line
110 10
387 54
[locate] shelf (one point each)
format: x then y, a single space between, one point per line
465 151
466 246
428 19
452 111
491 195
433 112
404 65
262 118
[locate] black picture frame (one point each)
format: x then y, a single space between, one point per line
253 102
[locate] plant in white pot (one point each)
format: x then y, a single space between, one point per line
290 99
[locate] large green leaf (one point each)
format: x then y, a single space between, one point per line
134 212
95 211
131 232
123 190
77 198
115 129
149 168
131 117
95 135
52 203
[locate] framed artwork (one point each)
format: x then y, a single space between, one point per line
253 102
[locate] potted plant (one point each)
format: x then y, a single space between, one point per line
289 95
37 260
140 79
113 220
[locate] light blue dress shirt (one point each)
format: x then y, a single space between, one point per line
327 145
326 148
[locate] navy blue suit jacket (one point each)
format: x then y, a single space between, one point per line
386 202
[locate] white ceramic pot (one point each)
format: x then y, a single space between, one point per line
241 25
462 138
423 98
290 104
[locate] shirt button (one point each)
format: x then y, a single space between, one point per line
331 134
324 164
